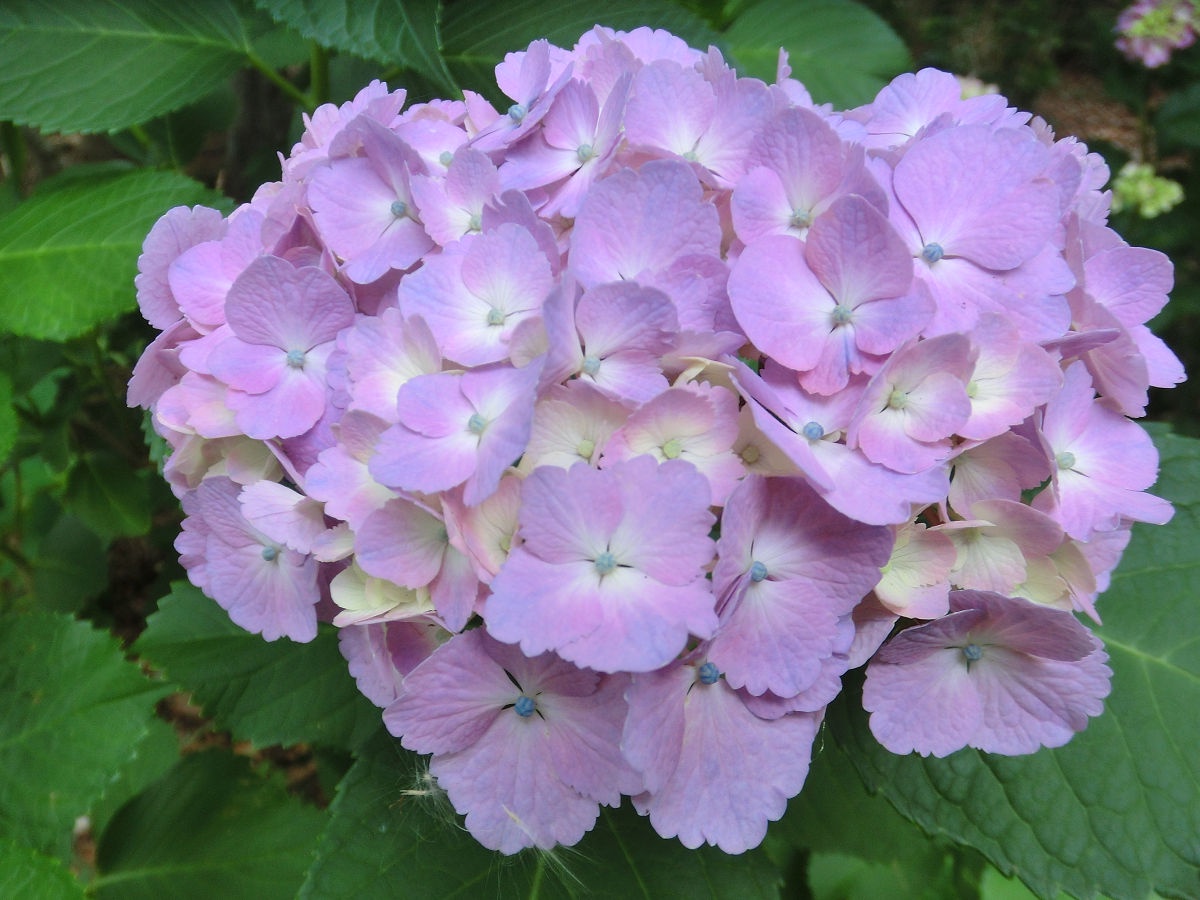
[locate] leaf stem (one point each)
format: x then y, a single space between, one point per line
17 558
97 364
391 75
24 573
276 79
318 67
142 136
11 542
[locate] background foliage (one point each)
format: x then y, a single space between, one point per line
150 748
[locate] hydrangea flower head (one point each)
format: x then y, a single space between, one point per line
1138 187
1151 30
611 428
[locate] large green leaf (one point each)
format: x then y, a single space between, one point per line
265 693
624 857
29 875
112 498
69 256
476 34
83 65
392 836
828 818
394 32
842 52
70 566
211 828
156 754
72 712
840 876
1116 810
380 843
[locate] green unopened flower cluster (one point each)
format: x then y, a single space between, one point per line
1137 187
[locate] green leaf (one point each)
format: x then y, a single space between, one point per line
265 693
79 65
839 876
842 52
211 828
995 886
400 33
477 35
380 843
155 755
72 712
175 139
624 857
392 834
27 874
110 497
29 362
70 566
69 257
1117 810
828 816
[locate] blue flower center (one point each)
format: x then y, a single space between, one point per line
269 553
605 563
973 652
295 359
399 209
842 315
476 423
445 157
524 706
591 365
758 571
709 674
1065 460
932 252
517 112
585 152
813 431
